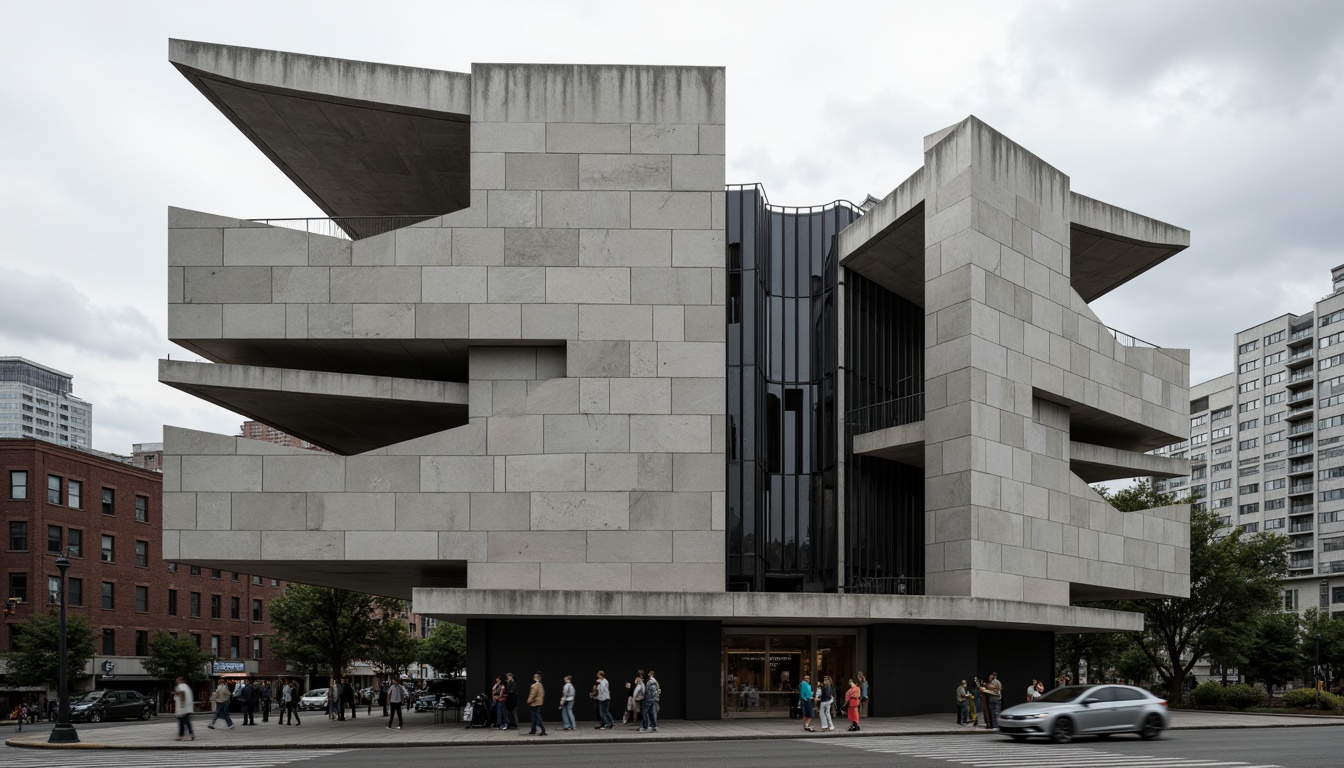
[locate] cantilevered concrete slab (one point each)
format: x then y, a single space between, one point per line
1098 464
342 412
360 139
903 443
1111 246
770 608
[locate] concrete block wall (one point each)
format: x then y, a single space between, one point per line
1008 344
588 278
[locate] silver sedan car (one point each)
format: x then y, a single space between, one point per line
1096 710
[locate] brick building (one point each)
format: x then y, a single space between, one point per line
107 515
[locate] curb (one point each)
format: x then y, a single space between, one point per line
25 744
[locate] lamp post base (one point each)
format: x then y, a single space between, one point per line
63 733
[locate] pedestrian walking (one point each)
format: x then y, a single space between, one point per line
536 696
632 702
805 702
221 698
649 710
291 703
603 692
347 697
267 695
853 697
21 715
382 696
395 696
826 697
863 693
183 702
567 705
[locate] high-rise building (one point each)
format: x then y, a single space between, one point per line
255 430
1266 444
576 389
37 402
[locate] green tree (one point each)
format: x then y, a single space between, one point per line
173 657
319 628
1134 664
393 647
1331 629
445 649
1234 582
1100 652
36 660
1274 655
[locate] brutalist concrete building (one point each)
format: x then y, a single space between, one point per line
612 414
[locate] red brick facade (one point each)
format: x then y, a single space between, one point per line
142 584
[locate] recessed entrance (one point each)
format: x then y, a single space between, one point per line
762 668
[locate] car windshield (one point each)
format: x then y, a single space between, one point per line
318 692
90 696
1064 693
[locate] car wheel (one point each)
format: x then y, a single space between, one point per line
1062 733
1016 737
144 713
95 717
1152 727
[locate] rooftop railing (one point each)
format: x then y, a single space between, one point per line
347 227
885 585
1130 341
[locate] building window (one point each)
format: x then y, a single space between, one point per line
1274 338
74 592
1290 599
109 596
109 506
1274 524
1248 406
1249 488
109 547
18 536
172 567
172 602
275 582
195 605
256 610
141 642
1337 595
256 648
1248 366
1275 378
234 610
215 606
1248 509
197 637
74 491
256 580
18 484
142 509
54 539
214 646
194 570
109 642
1246 445
53 489
1249 346
216 573
1248 424
234 645
74 543
18 587
142 599
1249 386
234 576
142 554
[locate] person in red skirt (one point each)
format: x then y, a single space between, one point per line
852 698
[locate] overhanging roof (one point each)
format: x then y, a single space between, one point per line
360 139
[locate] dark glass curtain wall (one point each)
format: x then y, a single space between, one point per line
782 364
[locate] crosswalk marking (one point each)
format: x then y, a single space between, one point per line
177 758
981 752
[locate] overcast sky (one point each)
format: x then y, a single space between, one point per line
1223 117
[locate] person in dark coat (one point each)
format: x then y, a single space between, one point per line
247 696
511 699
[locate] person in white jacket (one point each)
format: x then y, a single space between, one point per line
221 697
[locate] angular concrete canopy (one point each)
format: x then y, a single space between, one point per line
1108 246
360 139
344 413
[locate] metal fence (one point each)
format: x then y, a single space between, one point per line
1129 341
885 585
347 227
892 413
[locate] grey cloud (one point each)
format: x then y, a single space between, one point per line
48 309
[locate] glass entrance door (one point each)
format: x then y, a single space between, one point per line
761 672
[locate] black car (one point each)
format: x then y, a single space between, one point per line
426 702
96 706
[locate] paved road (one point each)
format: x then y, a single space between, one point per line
1242 748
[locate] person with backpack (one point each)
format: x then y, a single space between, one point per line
649 706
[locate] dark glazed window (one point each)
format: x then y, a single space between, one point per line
18 536
109 501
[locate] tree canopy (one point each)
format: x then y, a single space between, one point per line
445 649
392 647
173 657
1234 584
319 628
37 660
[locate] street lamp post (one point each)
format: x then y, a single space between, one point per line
63 732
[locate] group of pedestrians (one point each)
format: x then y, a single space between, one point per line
641 703
252 697
819 700
988 693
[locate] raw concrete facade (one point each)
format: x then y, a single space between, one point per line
530 382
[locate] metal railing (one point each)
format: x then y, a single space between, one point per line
1301 509
347 227
1305 394
886 585
892 413
1301 334
1303 527
1129 341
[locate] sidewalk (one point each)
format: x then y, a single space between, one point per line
317 732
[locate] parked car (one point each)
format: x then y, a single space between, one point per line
426 702
1098 710
314 699
96 706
